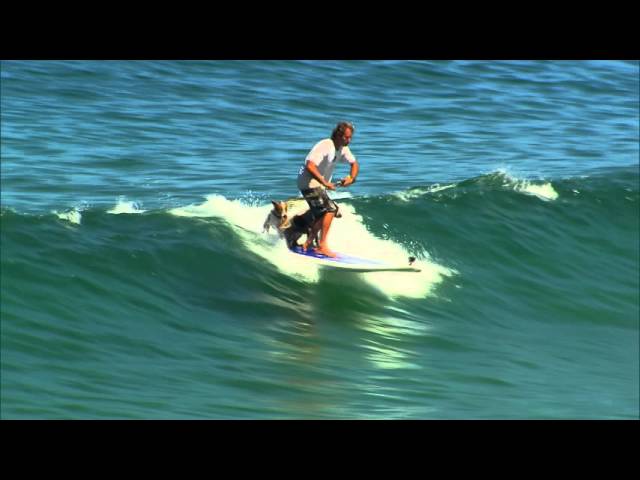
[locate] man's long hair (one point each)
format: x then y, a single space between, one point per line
340 129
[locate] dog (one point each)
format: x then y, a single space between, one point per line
301 225
277 218
290 229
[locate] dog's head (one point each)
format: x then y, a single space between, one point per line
280 210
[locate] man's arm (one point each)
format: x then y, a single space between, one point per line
355 168
315 173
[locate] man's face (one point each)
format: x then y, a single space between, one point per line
346 136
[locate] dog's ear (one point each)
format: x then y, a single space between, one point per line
275 204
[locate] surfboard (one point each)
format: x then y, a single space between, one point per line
353 263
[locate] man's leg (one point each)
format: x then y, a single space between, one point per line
324 209
326 225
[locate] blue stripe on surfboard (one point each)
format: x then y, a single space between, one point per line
341 258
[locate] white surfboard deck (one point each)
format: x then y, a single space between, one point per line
353 263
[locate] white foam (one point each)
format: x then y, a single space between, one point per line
348 235
247 221
544 191
406 196
351 236
123 206
73 216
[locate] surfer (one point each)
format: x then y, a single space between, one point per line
314 178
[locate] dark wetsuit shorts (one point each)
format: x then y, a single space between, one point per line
319 202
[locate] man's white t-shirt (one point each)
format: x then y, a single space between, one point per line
325 156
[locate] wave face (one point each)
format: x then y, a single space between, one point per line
537 273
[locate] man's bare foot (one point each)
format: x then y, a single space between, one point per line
325 251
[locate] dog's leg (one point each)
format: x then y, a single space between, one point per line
291 236
312 233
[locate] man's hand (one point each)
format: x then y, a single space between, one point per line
346 181
330 186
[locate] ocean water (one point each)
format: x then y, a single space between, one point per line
136 281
